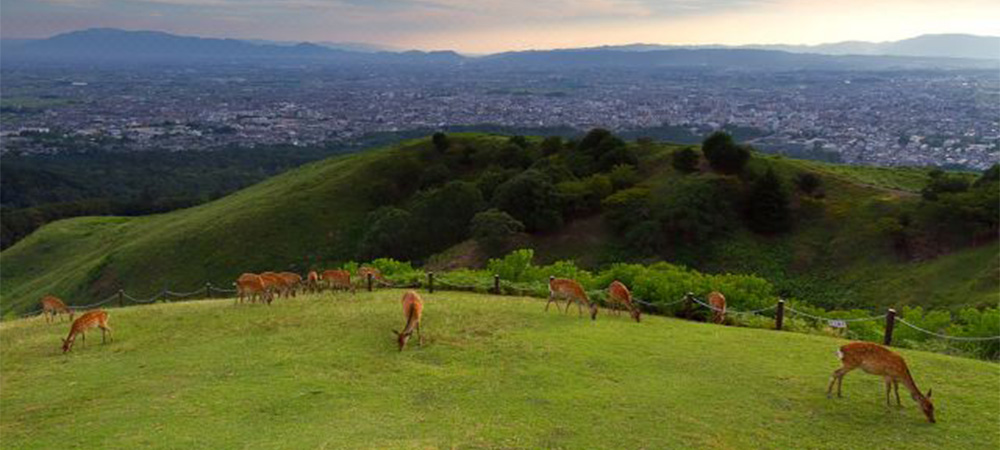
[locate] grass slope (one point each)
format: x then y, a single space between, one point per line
323 372
311 217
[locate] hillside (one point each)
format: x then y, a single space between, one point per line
316 216
493 372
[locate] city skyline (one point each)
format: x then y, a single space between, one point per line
514 25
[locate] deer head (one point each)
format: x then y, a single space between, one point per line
925 405
593 311
401 338
636 314
67 343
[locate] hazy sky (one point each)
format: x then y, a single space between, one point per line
485 26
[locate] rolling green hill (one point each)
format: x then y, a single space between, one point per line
324 372
836 255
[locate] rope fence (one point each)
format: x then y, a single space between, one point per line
500 287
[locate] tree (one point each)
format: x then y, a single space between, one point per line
943 183
441 142
441 216
623 176
808 182
626 208
386 234
685 160
551 145
494 230
694 209
767 205
723 154
530 198
519 141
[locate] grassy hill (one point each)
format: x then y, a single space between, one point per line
323 372
313 217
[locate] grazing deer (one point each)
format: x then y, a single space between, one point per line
718 302
376 275
312 281
52 306
292 281
338 279
88 320
561 288
413 308
619 296
878 360
252 286
274 284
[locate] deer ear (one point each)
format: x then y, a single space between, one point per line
929 393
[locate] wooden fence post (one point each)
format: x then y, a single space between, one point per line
779 316
430 282
496 284
687 304
121 298
370 276
208 289
890 323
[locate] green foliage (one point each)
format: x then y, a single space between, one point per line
515 266
723 154
623 176
492 178
943 183
494 230
625 208
767 209
387 233
551 145
695 209
530 198
808 183
685 160
434 175
441 142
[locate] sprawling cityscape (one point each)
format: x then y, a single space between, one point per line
890 118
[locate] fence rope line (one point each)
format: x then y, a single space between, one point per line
727 310
102 302
152 299
945 336
184 294
859 319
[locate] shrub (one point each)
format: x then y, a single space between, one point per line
767 205
441 142
808 183
531 199
387 234
493 230
696 208
685 160
623 176
723 154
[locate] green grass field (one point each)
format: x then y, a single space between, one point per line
494 372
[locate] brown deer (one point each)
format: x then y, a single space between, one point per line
571 291
878 360
252 287
619 296
376 275
413 308
52 306
718 302
338 279
274 284
90 319
292 282
312 281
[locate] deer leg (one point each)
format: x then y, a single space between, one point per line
888 391
837 377
895 385
420 337
579 308
549 303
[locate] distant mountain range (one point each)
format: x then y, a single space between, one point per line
104 45
925 46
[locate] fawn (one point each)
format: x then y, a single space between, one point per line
561 288
619 295
90 319
413 308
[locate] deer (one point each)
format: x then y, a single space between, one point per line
376 275
251 286
312 281
718 302
571 291
52 306
619 296
275 284
338 279
90 319
413 308
880 361
292 282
